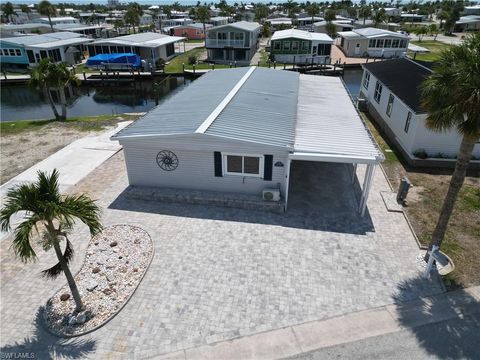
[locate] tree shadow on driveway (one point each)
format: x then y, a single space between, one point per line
43 345
447 327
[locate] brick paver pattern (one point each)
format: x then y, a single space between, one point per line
219 273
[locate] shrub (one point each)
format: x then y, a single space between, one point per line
421 154
192 59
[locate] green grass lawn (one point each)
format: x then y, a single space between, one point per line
435 48
176 64
84 123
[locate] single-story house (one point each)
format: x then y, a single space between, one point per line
57 20
300 47
236 42
276 23
166 23
9 30
237 131
373 42
391 90
305 23
467 23
392 11
340 25
471 10
150 46
26 50
412 18
190 31
91 31
218 20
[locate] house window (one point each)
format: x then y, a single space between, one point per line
380 43
239 36
403 43
305 45
390 104
378 92
243 165
395 43
286 45
366 80
12 52
407 122
295 45
5 52
371 43
18 52
221 36
277 45
388 43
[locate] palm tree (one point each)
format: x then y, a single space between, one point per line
56 215
451 96
312 10
365 12
203 15
133 14
48 76
379 17
8 11
47 9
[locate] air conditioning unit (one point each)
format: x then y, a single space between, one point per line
271 195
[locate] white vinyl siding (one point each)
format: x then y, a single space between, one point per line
196 169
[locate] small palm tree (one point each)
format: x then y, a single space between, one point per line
8 11
379 17
451 96
48 76
203 15
56 215
364 13
47 9
312 10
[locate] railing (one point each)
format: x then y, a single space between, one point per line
224 43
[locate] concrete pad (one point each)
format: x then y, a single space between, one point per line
178 355
474 291
344 329
272 345
390 200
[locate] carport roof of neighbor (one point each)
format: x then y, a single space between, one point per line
313 117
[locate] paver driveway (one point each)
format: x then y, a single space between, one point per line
222 273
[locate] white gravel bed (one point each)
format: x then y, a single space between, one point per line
115 262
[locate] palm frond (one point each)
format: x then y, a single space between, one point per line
82 208
47 186
21 240
19 198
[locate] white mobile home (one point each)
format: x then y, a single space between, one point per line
237 131
391 89
373 42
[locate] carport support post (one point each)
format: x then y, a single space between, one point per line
354 172
287 182
367 183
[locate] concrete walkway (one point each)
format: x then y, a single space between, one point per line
303 338
74 162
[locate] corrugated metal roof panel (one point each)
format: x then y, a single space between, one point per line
187 110
328 123
263 110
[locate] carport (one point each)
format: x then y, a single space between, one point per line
329 129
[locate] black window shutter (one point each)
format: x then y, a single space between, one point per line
267 170
218 163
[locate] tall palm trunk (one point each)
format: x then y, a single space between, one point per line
50 22
456 182
63 101
70 280
52 103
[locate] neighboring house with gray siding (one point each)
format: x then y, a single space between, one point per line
236 42
391 88
219 135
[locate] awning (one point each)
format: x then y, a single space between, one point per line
328 126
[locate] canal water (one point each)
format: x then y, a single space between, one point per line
21 102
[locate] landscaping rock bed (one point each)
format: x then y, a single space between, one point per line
116 260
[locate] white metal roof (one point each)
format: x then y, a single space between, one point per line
311 117
300 34
370 33
148 39
328 126
242 25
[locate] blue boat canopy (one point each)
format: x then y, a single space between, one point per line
115 60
